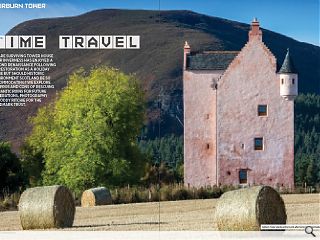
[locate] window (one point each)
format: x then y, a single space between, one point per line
208 145
292 80
262 110
282 81
258 144
243 176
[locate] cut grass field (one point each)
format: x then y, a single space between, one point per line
178 215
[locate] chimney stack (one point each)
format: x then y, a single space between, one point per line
255 31
186 51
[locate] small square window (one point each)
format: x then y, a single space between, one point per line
262 110
258 144
243 176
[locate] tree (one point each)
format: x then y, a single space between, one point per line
166 151
155 174
88 137
307 139
32 151
11 175
311 171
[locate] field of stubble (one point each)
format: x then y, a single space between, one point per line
178 215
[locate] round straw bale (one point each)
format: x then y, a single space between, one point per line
246 209
96 196
46 207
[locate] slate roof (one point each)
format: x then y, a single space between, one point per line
288 66
213 60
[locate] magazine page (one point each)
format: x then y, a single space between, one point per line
159 119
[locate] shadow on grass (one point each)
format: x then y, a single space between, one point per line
118 224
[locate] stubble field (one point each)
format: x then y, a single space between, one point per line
190 215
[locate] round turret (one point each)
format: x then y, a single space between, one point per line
288 79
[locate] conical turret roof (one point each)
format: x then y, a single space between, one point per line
287 65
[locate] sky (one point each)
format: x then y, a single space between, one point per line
298 19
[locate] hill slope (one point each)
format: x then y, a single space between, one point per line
159 61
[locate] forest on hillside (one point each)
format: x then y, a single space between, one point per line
307 139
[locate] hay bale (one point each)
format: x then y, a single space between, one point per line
46 207
246 209
96 196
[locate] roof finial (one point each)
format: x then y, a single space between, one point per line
186 45
255 19
186 51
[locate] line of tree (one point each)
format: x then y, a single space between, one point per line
307 139
168 149
166 159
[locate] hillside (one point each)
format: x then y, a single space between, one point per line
159 61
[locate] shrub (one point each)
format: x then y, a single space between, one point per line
166 193
9 202
181 194
11 175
